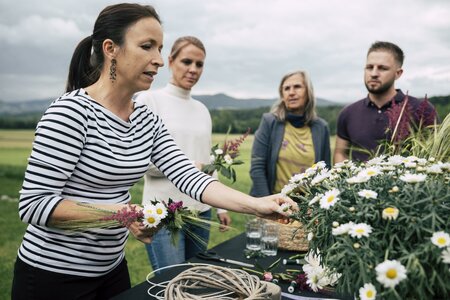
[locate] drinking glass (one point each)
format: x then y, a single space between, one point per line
269 239
253 232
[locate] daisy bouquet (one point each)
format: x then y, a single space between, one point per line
171 215
380 229
223 158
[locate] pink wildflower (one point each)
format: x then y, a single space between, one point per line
174 206
399 119
267 276
425 113
232 147
125 216
301 282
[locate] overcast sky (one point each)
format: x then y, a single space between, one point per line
250 44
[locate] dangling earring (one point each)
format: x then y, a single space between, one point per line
112 70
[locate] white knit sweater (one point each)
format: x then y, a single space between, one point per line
189 123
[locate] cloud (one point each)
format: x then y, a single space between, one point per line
37 31
250 44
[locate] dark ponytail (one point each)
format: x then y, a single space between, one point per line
112 23
81 72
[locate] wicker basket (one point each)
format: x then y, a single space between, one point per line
292 237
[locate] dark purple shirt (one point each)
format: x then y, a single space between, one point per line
364 125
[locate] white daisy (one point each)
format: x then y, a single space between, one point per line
441 239
160 210
329 198
446 255
151 220
390 213
367 292
359 230
390 273
324 174
422 161
358 179
298 177
218 151
288 188
413 178
342 229
410 165
368 194
317 279
228 159
395 160
369 172
149 209
434 169
376 160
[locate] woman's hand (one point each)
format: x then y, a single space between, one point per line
271 207
142 233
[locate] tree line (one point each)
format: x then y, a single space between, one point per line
239 120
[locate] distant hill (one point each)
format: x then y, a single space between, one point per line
223 101
217 101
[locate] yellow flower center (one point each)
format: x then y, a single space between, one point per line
391 273
441 241
360 230
330 199
369 294
151 220
159 211
371 173
390 210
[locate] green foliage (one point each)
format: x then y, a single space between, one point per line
442 105
242 119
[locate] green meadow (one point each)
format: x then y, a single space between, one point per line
15 147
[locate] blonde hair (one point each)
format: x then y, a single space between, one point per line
279 108
184 41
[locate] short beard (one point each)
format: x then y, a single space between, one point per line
381 89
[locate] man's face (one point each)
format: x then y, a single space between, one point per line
381 71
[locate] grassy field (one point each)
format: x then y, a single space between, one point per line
15 147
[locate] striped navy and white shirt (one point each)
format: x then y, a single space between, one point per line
83 152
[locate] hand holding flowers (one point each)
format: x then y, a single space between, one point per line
142 222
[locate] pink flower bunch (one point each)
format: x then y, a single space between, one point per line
125 216
425 113
232 147
174 206
399 120
301 282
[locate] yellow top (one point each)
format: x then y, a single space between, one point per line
295 156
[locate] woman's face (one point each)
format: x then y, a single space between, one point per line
294 94
140 57
187 67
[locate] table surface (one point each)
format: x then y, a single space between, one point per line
231 249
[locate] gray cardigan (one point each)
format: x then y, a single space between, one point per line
267 144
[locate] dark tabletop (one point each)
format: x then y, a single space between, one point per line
231 249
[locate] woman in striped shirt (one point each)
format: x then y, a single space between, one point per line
91 145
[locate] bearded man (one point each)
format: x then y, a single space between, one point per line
362 125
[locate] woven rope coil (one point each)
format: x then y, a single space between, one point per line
216 283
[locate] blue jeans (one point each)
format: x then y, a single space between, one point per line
162 253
